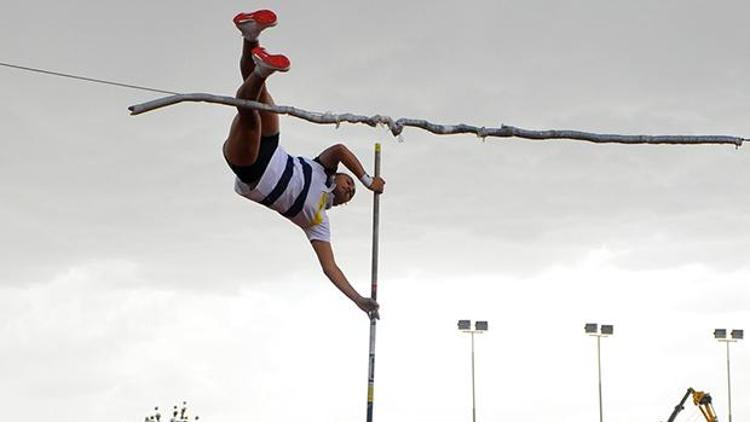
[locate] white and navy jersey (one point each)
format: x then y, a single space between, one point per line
298 189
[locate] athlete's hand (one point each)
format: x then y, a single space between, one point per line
377 184
369 306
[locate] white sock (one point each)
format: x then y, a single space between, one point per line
249 31
252 37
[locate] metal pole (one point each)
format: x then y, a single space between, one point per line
729 385
599 360
473 390
374 288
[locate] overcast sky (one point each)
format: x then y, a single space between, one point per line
132 275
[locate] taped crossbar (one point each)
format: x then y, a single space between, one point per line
396 126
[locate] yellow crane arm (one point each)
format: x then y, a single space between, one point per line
703 401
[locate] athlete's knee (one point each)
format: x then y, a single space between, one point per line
241 149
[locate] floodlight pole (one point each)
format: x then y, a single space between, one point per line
720 334
374 288
599 364
473 388
479 327
729 384
593 330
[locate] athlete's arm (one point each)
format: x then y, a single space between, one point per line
325 255
339 153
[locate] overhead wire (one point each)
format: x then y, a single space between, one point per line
86 78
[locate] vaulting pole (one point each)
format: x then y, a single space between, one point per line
374 287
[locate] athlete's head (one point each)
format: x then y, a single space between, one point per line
344 190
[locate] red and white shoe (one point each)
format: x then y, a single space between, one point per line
266 63
251 24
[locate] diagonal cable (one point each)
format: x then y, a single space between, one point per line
84 78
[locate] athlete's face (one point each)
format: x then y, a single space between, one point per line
344 190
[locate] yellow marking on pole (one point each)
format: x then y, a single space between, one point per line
370 389
377 147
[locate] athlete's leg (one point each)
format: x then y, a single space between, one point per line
251 25
269 121
242 144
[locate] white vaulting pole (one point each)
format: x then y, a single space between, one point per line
374 289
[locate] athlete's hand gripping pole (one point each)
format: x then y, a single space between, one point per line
374 291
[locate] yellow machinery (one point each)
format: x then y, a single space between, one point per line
700 399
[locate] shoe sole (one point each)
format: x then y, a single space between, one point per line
277 62
264 18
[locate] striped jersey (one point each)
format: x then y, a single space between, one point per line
298 189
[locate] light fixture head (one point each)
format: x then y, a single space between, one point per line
720 333
464 324
737 334
591 328
608 329
481 325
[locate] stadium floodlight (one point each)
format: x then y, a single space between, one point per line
593 329
479 327
720 334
